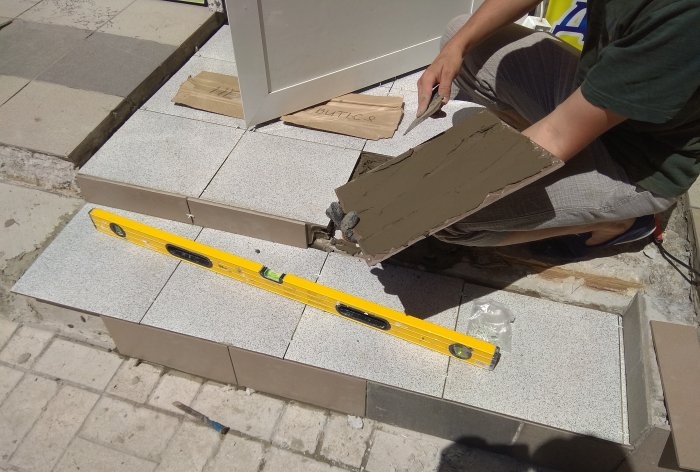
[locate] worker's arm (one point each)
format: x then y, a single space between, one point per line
491 15
572 126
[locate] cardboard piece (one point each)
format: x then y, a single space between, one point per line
209 91
439 182
678 355
362 116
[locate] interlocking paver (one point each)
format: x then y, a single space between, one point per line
21 409
25 346
13 8
299 428
343 442
83 455
245 453
29 48
86 15
190 448
125 427
408 452
9 86
44 445
134 382
253 414
53 119
164 22
7 328
174 386
97 64
78 363
278 460
8 380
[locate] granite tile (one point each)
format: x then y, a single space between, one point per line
438 417
155 20
334 343
200 303
134 198
407 83
164 152
53 119
563 370
281 176
90 271
279 128
110 64
9 86
219 46
14 8
161 101
30 48
300 382
288 130
185 353
454 112
85 15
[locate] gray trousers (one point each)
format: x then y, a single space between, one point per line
522 76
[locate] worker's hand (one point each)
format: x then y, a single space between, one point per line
442 71
342 221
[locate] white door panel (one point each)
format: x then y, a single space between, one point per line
292 54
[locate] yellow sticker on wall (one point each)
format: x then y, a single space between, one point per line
568 20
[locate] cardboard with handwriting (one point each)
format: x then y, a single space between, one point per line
209 91
362 116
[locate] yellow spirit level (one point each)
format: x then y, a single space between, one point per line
467 348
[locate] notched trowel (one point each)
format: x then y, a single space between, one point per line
433 107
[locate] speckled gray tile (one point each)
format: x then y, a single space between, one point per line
30 48
407 82
454 112
164 152
219 46
98 64
161 101
331 342
282 176
278 128
86 15
563 370
87 270
206 305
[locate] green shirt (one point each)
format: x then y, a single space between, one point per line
641 59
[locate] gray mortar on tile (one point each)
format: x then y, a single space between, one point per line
424 190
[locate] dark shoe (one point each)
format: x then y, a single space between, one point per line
573 247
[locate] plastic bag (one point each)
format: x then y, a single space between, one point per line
491 321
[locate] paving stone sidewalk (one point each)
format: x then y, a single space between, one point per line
69 406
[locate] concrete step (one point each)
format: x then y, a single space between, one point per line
71 77
563 375
273 182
